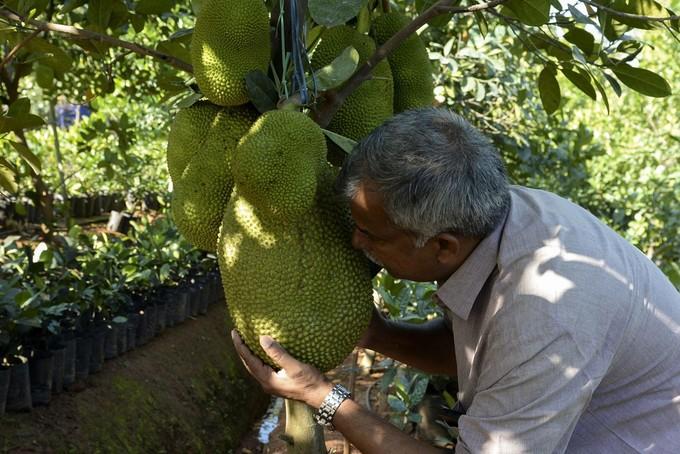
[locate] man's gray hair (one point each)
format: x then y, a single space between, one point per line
435 172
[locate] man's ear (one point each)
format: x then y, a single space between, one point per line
448 248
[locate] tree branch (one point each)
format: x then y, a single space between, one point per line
79 33
618 13
10 55
334 98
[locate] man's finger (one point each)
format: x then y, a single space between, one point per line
255 366
278 354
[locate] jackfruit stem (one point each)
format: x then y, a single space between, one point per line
302 433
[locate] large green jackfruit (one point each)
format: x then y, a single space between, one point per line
371 103
277 163
410 64
230 39
200 145
294 277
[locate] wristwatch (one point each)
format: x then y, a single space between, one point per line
330 405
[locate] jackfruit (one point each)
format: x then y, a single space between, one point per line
371 103
230 39
293 276
201 141
277 163
410 64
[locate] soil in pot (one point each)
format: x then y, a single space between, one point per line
152 319
205 296
19 392
110 341
161 316
83 354
70 362
121 336
142 327
4 387
97 357
131 326
41 367
181 307
58 367
195 295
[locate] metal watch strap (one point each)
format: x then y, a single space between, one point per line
330 404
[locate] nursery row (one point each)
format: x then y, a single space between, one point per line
85 285
24 210
77 353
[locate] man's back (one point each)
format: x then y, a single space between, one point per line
576 344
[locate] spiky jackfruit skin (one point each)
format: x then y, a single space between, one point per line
410 64
298 281
230 39
201 142
277 163
371 103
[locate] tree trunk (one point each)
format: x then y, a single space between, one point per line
303 434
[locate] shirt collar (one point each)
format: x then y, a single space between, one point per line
460 290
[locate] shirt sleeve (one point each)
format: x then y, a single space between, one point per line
532 385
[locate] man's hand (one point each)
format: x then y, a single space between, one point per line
295 380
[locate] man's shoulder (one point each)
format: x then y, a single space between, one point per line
542 224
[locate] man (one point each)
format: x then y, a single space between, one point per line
562 335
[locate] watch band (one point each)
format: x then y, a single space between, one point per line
330 405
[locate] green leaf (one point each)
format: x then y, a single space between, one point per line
137 22
345 143
262 91
19 117
44 76
333 12
99 13
581 38
338 71
642 80
614 84
175 48
438 21
7 177
188 100
48 54
70 5
20 107
482 23
603 93
27 155
549 90
649 8
581 80
675 24
154 6
530 12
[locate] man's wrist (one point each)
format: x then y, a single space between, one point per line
330 405
319 394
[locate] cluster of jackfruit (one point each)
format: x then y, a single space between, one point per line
257 190
284 250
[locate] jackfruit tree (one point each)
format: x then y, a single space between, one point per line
271 96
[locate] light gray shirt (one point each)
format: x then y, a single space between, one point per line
567 338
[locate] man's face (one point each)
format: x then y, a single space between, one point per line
388 245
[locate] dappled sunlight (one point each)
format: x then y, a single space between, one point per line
503 438
231 248
569 371
251 225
